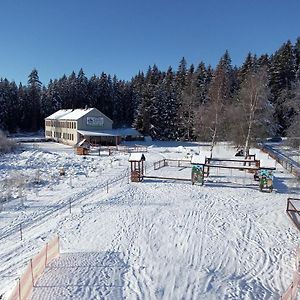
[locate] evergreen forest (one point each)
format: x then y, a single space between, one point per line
258 99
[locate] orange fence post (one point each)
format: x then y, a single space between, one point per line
46 255
32 278
34 270
19 288
58 242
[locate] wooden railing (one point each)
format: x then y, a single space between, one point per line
292 211
291 292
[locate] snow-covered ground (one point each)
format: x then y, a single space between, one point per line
159 239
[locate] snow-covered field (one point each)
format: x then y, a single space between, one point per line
159 239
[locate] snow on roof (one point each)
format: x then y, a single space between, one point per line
136 157
59 114
98 133
111 132
84 141
198 159
69 114
78 113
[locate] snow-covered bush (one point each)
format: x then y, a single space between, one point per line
6 145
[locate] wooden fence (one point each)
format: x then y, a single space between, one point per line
286 162
291 292
292 211
159 164
34 270
180 163
109 150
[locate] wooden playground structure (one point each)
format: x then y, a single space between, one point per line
180 163
136 167
201 170
250 164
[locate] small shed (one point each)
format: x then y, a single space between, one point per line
137 166
82 148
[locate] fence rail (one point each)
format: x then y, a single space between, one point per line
291 292
62 206
159 164
180 163
285 161
293 212
34 270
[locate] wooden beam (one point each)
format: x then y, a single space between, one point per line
233 160
169 178
237 167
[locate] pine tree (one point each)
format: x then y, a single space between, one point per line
4 96
147 108
34 100
282 69
297 58
187 106
81 89
203 77
282 74
169 109
293 131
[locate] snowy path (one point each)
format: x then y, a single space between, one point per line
94 276
182 241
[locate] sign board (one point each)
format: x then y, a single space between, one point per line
198 174
95 121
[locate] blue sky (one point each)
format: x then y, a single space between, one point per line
124 36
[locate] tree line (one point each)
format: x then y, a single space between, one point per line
257 99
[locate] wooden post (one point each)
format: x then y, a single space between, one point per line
31 267
21 233
107 187
287 205
46 256
58 241
19 282
70 205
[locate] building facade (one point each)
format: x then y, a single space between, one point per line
70 126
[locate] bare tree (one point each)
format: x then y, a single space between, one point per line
219 94
6 145
253 111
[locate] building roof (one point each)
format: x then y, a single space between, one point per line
137 157
198 159
111 132
69 114
98 133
